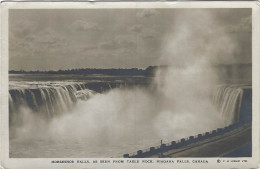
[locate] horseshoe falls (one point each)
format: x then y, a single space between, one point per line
56 98
81 114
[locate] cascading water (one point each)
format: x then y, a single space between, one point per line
55 98
49 100
228 99
115 111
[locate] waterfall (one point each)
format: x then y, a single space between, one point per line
228 99
47 100
52 98
84 94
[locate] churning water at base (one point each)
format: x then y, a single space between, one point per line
77 119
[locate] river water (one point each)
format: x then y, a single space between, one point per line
54 116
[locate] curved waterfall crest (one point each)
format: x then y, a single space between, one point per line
50 100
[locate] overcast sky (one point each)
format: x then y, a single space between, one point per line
112 38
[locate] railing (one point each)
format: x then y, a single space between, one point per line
182 142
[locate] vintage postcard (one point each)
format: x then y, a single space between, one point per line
130 85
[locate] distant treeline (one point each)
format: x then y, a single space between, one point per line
223 69
149 71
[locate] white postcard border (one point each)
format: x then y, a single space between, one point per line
26 163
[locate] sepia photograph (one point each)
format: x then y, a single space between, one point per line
130 83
